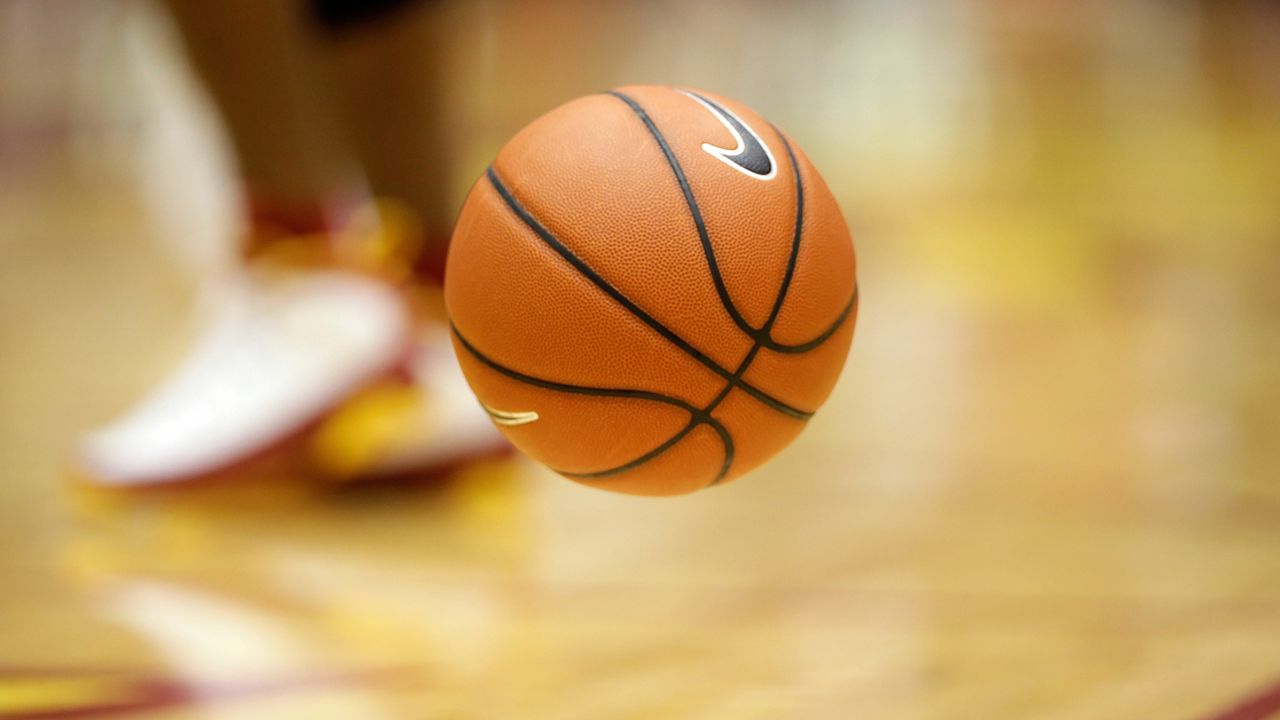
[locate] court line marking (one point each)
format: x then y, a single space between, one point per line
1260 705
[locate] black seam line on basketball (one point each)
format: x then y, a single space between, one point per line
696 416
665 446
742 369
574 389
762 334
796 236
823 336
724 436
586 271
700 417
696 213
727 439
716 426
777 302
826 334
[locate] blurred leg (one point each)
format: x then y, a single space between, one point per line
386 63
258 59
306 362
290 337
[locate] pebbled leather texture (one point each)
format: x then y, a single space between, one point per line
661 354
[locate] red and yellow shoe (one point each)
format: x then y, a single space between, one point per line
323 357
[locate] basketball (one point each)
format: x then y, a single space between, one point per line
651 290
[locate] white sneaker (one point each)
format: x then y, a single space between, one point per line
281 352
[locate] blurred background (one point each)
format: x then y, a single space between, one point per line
1044 488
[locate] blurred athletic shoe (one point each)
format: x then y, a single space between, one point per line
312 364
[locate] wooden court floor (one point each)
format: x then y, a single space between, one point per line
1047 486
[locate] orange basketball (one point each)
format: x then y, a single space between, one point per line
651 290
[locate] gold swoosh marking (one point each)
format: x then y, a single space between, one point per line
509 418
